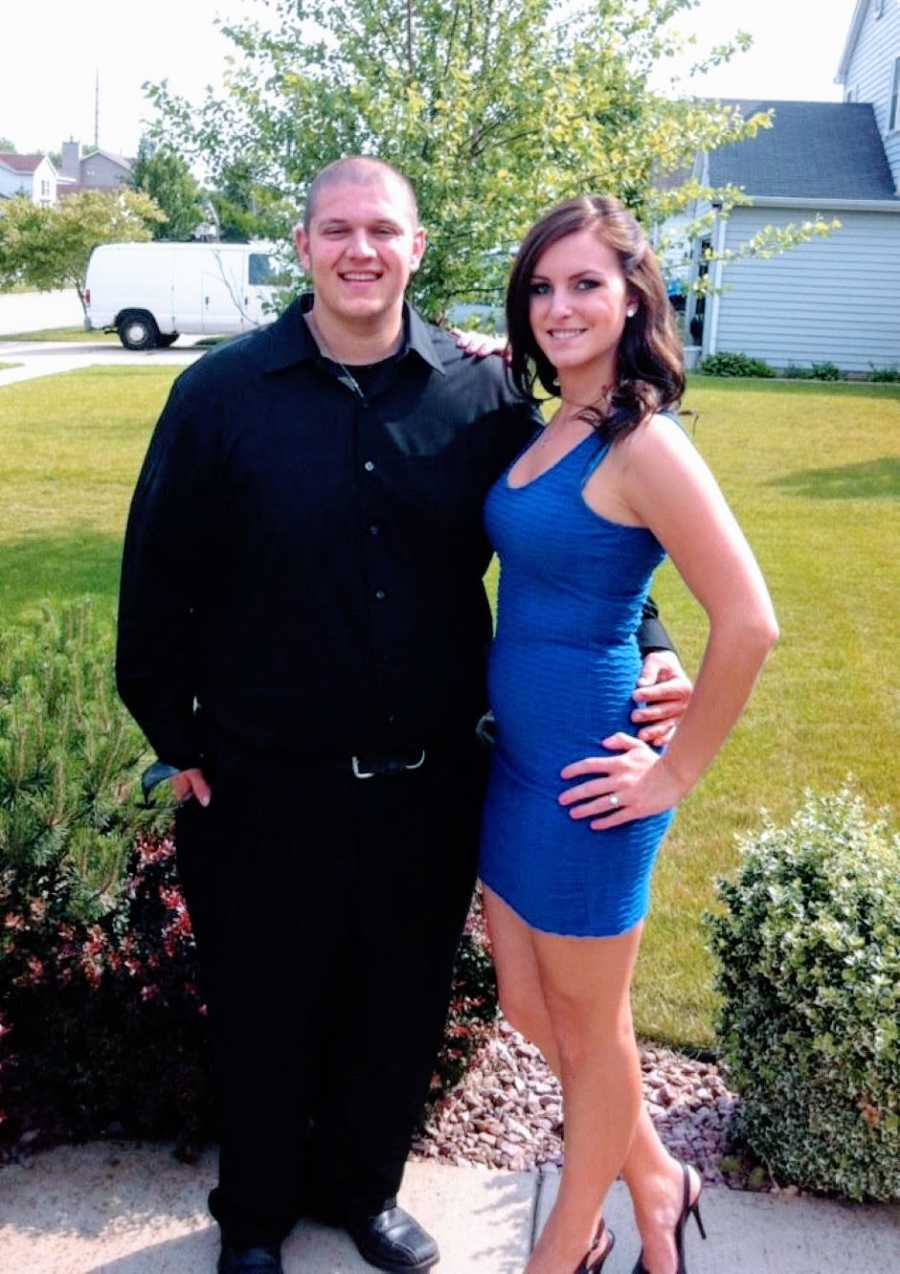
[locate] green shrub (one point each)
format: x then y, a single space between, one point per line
825 371
808 968
885 375
102 1024
70 758
796 371
735 365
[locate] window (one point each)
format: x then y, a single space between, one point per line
45 188
894 117
264 272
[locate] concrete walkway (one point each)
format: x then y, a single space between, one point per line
110 1208
49 358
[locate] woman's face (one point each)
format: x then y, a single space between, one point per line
579 299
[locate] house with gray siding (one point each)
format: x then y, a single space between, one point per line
97 170
870 69
835 299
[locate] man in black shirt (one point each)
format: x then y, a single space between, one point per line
303 631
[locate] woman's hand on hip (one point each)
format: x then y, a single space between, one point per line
633 785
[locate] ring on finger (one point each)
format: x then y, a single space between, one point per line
614 800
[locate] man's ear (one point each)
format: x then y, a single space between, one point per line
301 244
420 242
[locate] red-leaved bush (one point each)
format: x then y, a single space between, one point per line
102 1026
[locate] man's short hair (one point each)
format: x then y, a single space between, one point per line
357 170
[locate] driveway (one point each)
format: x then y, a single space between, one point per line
48 358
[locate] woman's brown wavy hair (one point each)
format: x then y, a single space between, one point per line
650 374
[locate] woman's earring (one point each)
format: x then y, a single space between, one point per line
631 311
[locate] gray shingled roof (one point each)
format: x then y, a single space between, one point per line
815 150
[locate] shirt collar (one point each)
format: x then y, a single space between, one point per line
291 341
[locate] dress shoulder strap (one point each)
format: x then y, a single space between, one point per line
594 460
599 453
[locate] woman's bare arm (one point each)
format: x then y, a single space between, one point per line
667 486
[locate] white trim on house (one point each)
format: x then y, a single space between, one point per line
711 328
825 205
855 28
893 124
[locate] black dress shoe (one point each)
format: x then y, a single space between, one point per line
394 1241
264 1259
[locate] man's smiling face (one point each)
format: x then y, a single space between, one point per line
362 245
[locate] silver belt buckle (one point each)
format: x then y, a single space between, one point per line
370 774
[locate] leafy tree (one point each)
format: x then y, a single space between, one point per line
7 146
50 247
246 207
494 111
162 174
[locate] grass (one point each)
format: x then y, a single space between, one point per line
72 447
67 334
813 473
5 367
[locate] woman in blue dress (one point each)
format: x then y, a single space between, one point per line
577 806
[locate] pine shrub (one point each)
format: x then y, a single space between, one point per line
808 967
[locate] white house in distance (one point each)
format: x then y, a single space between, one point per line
36 177
30 175
835 299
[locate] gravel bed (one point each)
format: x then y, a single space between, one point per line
507 1112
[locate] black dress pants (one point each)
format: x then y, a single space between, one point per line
327 910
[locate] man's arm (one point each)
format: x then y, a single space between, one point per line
165 562
652 634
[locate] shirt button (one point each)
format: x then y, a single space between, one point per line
380 594
374 529
369 466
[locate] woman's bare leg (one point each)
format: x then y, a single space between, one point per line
653 1176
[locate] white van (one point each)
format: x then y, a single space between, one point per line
152 292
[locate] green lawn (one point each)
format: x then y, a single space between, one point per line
813 472
67 334
4 367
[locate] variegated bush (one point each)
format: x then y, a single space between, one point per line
807 948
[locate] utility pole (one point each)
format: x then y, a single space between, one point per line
97 111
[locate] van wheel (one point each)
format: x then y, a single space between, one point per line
138 331
165 339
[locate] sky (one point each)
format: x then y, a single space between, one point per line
47 85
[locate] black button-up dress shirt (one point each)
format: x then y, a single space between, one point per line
305 549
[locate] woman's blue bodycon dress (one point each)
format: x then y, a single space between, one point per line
563 667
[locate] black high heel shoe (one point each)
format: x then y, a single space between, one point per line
687 1209
584 1268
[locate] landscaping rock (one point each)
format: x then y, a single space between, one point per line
507 1112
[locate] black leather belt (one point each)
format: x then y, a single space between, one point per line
368 765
